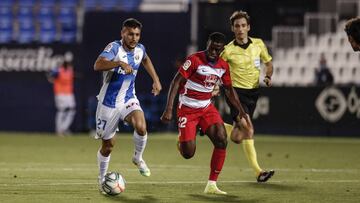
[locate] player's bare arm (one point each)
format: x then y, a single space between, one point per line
268 73
216 91
149 67
173 90
103 64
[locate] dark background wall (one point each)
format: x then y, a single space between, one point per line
264 14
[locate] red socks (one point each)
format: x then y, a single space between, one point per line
217 162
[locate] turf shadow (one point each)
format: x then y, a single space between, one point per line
145 198
221 198
274 186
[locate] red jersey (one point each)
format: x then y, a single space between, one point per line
202 76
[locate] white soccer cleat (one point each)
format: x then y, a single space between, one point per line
101 190
143 168
211 188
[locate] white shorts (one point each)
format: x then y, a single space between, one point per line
107 119
64 101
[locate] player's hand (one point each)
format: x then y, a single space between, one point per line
243 119
127 68
166 116
267 81
216 91
156 88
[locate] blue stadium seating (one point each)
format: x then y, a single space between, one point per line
26 32
68 3
45 12
7 3
26 3
91 5
43 20
68 36
67 20
109 5
47 31
5 11
126 5
47 3
25 11
6 29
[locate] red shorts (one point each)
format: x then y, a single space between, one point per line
189 118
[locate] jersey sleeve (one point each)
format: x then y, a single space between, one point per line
224 55
110 51
226 79
144 50
188 67
264 54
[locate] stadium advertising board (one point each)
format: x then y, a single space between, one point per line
309 110
34 58
27 100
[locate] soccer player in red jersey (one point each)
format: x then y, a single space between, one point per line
195 82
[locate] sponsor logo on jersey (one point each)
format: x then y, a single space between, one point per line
132 104
257 63
108 47
137 57
186 65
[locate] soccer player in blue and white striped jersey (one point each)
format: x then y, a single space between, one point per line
119 63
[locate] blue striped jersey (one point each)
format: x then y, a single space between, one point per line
119 87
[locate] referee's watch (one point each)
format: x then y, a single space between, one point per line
268 77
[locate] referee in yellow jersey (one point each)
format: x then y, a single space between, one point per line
244 55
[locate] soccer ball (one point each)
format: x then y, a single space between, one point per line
114 183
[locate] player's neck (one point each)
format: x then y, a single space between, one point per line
128 49
242 41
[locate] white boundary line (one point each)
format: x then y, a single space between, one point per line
178 182
175 167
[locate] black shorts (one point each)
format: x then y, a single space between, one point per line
248 99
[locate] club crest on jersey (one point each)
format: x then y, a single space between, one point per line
210 81
137 57
108 47
186 65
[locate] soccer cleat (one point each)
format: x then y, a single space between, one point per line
101 190
211 188
143 168
265 176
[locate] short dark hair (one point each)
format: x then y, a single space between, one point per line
239 14
132 22
217 37
352 28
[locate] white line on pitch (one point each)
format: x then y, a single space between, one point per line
177 167
178 182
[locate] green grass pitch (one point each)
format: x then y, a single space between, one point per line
45 168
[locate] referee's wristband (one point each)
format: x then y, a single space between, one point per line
268 77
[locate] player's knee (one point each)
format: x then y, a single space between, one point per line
235 139
140 128
187 155
107 149
221 144
141 131
249 133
